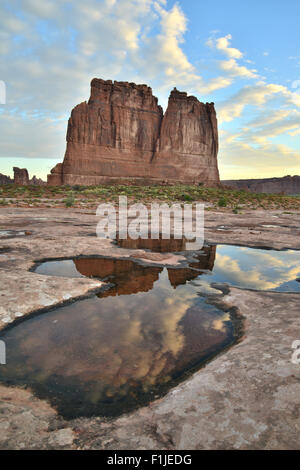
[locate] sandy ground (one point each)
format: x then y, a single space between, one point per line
246 398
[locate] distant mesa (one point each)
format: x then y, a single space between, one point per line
289 185
122 135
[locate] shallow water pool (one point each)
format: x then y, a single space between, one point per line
122 348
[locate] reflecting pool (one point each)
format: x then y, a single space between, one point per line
122 348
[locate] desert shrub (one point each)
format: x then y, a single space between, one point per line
69 201
222 202
187 197
78 187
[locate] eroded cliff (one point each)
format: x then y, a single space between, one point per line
121 134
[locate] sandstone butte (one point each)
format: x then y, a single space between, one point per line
121 134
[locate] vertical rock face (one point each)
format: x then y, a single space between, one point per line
188 145
21 176
56 176
121 134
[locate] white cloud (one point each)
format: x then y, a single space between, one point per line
240 159
45 9
108 39
31 137
87 39
254 95
230 66
215 84
250 150
167 42
51 51
222 44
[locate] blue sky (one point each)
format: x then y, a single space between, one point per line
244 56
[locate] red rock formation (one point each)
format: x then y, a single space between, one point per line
5 179
121 134
55 178
188 145
21 176
37 181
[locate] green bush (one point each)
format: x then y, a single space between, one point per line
69 201
78 187
187 197
222 202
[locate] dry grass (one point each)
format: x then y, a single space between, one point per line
91 196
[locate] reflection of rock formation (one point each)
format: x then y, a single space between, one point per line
111 353
206 255
178 277
205 258
130 277
205 261
159 246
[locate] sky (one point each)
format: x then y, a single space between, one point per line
243 56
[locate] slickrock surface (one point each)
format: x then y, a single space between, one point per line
246 398
122 134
